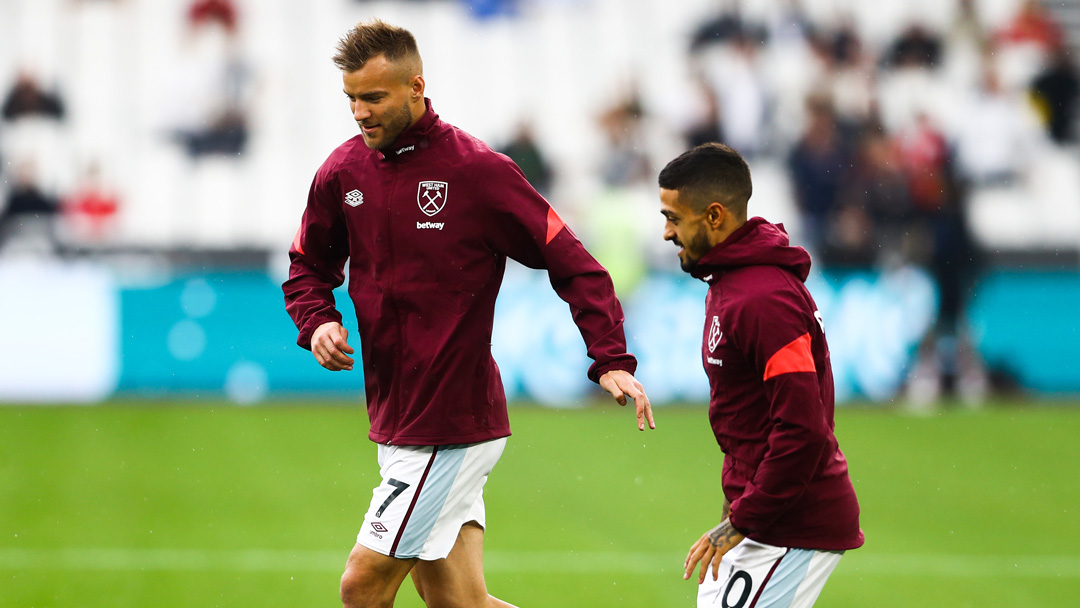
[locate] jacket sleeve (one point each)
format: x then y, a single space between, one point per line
318 255
776 332
523 226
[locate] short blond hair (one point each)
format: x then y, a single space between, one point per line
370 39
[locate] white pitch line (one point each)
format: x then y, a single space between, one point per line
857 563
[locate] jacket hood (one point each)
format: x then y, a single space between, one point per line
755 243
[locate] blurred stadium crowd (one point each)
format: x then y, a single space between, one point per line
938 135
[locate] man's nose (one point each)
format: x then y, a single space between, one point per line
361 112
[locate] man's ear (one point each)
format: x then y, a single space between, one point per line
714 214
417 84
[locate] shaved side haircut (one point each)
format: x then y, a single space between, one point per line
707 173
369 39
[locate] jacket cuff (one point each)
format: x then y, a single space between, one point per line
625 362
304 339
739 527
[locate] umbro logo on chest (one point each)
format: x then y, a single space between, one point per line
354 198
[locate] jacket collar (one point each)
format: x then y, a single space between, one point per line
414 138
708 267
755 243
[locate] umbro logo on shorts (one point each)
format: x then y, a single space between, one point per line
354 198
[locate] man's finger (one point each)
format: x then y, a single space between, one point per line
611 385
341 358
644 410
705 560
691 560
342 345
686 562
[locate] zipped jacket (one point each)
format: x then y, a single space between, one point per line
426 226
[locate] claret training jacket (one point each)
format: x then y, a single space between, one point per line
426 226
771 401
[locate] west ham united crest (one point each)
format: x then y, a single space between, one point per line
715 334
431 196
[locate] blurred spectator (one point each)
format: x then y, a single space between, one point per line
226 135
733 73
789 24
1033 25
724 26
28 98
617 218
624 160
707 127
916 47
1056 91
848 239
965 45
910 81
213 81
995 134
924 156
849 75
526 153
90 211
219 12
1024 46
879 187
723 51
819 164
937 236
27 217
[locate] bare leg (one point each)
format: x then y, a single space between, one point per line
371 579
458 580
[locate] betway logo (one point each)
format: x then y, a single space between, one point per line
406 149
429 225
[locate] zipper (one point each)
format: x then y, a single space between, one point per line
391 268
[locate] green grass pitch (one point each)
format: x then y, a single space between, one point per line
206 505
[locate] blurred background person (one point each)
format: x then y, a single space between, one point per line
27 98
90 211
28 217
525 151
820 162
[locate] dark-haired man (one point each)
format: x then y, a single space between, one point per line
789 508
426 215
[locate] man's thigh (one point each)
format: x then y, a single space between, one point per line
372 576
457 580
756 575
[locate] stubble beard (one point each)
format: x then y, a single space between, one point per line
393 126
694 250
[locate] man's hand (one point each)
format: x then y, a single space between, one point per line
710 549
330 348
620 384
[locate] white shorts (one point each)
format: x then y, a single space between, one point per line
427 494
756 575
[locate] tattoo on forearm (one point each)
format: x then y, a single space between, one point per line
727 509
722 535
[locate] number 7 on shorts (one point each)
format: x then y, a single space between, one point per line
401 487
